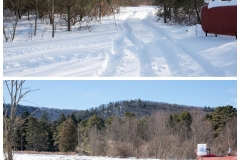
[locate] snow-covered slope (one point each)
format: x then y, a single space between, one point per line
139 47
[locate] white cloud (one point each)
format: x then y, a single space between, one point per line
88 95
232 90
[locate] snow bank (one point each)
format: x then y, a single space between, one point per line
220 3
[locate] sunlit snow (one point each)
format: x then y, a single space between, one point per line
19 156
140 46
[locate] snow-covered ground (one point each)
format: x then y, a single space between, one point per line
142 47
20 156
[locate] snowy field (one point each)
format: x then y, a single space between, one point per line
142 47
18 156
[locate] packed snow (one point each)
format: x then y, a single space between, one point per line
221 3
140 46
20 156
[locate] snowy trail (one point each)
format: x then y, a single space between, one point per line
122 62
141 51
204 63
169 53
142 47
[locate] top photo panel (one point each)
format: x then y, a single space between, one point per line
119 38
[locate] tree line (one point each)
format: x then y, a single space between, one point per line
184 12
160 135
85 13
137 106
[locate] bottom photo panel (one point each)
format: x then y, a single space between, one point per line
119 119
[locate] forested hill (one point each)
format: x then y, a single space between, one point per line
139 107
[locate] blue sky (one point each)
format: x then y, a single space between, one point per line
84 94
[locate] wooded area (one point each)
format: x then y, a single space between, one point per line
85 13
139 107
183 12
161 135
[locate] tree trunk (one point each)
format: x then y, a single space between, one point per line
52 18
170 13
35 29
19 14
81 17
21 138
28 14
16 93
14 28
9 141
165 12
195 6
69 22
100 10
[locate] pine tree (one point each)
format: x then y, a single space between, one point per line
95 121
36 135
20 135
221 116
68 136
47 126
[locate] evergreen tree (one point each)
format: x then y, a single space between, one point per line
68 136
47 126
181 124
95 121
109 120
22 131
36 135
221 116
74 118
128 116
61 119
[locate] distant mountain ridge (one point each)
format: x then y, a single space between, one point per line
139 107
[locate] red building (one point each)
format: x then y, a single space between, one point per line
219 19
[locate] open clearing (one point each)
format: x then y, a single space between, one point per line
141 46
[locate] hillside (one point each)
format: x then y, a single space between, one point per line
137 45
139 107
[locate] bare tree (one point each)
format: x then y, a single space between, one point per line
11 12
227 138
16 92
68 7
96 141
158 134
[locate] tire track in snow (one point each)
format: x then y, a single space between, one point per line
155 57
118 63
140 49
114 58
206 65
158 62
169 59
121 61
